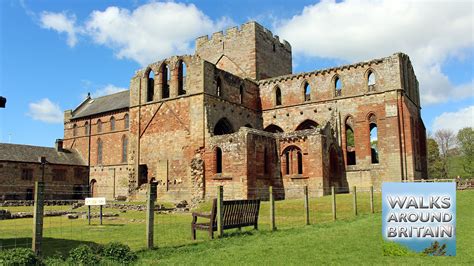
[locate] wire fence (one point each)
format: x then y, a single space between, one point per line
65 223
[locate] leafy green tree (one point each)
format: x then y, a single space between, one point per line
446 140
435 249
435 166
465 138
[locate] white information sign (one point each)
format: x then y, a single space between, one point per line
95 201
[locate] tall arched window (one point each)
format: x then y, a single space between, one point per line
374 150
307 91
371 78
218 160
277 96
124 149
126 121
219 87
338 86
165 75
99 151
112 123
150 91
74 130
350 142
99 126
86 128
299 156
181 78
241 94
293 160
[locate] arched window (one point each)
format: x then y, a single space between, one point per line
218 160
99 151
112 123
307 124
299 156
273 129
219 87
277 96
307 91
74 130
93 188
293 160
350 142
374 150
181 78
371 78
223 127
86 128
124 149
126 121
338 86
150 91
241 94
99 126
265 161
165 76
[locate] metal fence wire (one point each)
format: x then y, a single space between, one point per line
63 222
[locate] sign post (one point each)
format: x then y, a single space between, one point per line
95 202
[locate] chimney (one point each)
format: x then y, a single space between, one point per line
59 145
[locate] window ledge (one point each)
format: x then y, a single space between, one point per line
294 177
220 177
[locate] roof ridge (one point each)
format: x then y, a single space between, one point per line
112 94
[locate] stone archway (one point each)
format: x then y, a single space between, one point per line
94 192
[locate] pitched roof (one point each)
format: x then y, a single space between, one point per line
116 101
30 154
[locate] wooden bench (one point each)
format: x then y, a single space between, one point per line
236 214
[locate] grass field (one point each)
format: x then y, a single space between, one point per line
350 239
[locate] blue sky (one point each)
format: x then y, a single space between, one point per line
53 52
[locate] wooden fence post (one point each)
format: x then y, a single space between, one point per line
38 218
333 193
272 208
306 204
372 199
220 213
150 214
354 192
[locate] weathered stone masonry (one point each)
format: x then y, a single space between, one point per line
233 114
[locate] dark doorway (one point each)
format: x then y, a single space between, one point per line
29 194
142 174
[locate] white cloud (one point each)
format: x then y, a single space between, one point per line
46 111
62 23
152 31
108 89
455 120
353 30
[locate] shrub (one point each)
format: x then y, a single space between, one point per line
83 254
18 256
394 249
56 259
118 252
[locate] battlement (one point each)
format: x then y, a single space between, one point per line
234 33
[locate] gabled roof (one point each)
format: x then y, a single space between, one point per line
30 154
116 101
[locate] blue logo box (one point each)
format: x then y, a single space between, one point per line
420 216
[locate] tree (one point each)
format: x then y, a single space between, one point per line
435 249
465 140
435 166
446 140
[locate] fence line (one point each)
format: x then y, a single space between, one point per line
150 222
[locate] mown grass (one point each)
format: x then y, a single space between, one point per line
350 239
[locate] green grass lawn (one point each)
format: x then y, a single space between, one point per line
349 239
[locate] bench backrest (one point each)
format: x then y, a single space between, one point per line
237 213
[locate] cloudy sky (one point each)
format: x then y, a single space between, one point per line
52 53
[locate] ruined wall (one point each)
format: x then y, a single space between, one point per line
166 133
13 186
246 52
